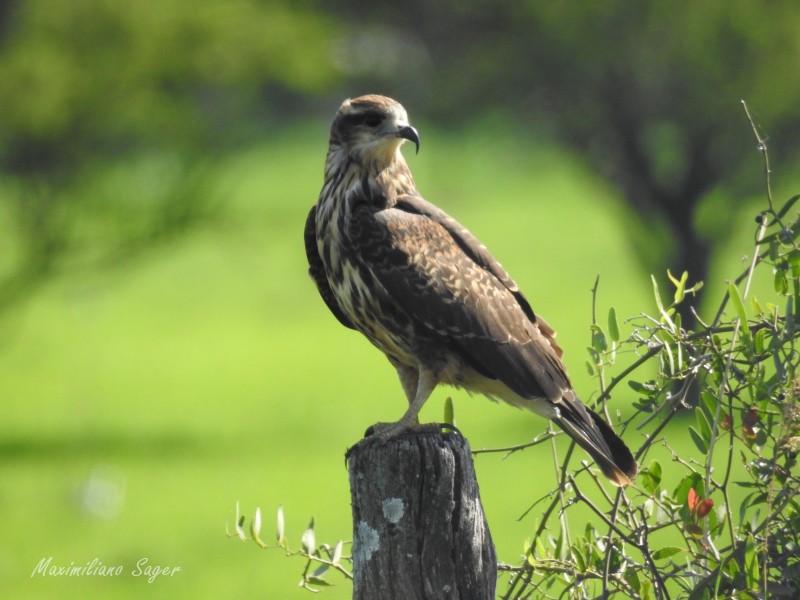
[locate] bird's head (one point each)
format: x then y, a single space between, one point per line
371 129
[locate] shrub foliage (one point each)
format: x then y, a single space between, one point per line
728 525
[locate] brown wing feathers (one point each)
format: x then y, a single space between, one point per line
461 292
316 269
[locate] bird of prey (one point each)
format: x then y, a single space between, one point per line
427 293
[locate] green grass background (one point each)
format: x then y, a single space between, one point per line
139 405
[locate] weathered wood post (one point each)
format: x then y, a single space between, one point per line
419 532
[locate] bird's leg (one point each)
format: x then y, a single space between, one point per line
409 379
426 382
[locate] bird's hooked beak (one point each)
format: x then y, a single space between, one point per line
409 133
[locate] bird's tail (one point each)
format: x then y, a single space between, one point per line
594 435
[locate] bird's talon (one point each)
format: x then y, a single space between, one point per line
386 431
383 432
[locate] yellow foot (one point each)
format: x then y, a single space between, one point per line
381 433
386 431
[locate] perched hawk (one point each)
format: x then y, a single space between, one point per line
427 293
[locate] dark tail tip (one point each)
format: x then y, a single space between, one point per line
594 435
624 465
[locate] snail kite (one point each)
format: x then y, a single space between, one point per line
427 293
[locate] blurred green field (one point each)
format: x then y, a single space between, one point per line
139 405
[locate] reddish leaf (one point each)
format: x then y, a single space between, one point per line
693 530
704 508
749 424
693 499
727 422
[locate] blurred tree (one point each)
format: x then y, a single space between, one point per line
142 94
647 92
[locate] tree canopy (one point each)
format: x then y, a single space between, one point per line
92 85
647 94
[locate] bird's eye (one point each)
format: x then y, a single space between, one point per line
372 119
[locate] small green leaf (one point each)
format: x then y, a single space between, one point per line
255 524
594 355
580 562
665 314
240 525
736 299
656 293
645 405
794 263
637 387
753 564
741 312
613 326
647 590
314 580
666 552
255 528
680 285
632 577
678 345
599 341
786 207
695 288
308 540
240 529
337 552
654 468
646 388
698 440
709 403
540 547
731 568
760 341
280 533
759 310
702 424
668 352
449 413
590 368
674 281
590 532
780 282
650 478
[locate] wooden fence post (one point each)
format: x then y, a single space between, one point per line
419 532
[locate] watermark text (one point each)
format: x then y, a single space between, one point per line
143 568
